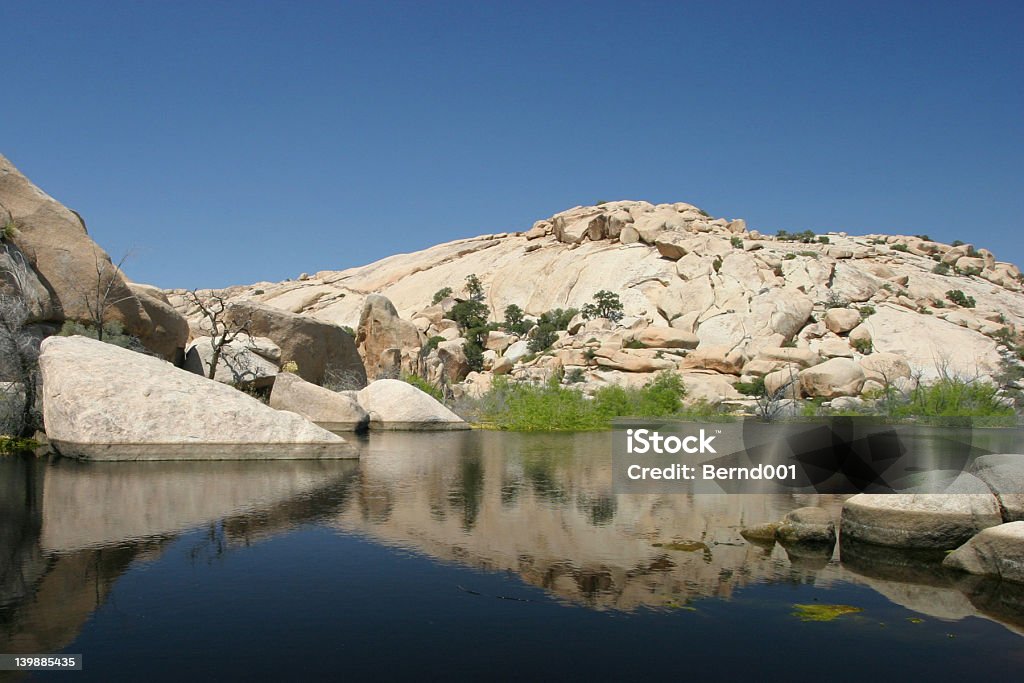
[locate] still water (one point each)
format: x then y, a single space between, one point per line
456 556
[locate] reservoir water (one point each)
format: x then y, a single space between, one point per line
458 556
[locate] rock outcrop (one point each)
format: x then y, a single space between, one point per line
699 293
388 345
101 402
319 349
68 265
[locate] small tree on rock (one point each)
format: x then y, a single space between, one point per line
222 333
606 305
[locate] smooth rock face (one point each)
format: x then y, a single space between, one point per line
666 338
997 551
885 368
1003 473
63 253
102 402
318 348
381 329
329 409
923 520
835 377
397 405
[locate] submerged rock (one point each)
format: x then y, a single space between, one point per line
808 525
102 402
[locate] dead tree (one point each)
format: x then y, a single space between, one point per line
222 330
104 292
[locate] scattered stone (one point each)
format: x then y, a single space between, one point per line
835 377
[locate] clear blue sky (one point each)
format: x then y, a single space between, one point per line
234 142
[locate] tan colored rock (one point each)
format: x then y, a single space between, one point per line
835 348
840 320
666 338
784 383
329 409
1003 473
102 402
502 366
453 356
630 362
397 405
885 368
724 359
169 332
860 334
835 377
499 341
381 328
65 257
803 358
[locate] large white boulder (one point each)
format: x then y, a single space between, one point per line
245 360
397 405
919 520
102 402
1003 473
330 409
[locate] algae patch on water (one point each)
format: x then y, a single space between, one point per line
823 612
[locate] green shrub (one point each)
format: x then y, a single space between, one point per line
606 305
862 346
425 386
113 333
807 236
810 254
257 292
823 239
469 314
736 242
968 272
953 397
474 355
957 243
558 318
899 247
867 311
474 288
545 335
717 263
440 295
752 388
941 269
925 237
9 231
433 342
551 407
515 321
633 344
960 299
789 257
575 376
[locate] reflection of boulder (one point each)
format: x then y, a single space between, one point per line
541 506
100 504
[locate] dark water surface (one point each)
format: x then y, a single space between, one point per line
456 556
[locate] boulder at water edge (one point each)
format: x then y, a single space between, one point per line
997 551
397 405
102 402
1003 473
329 409
920 520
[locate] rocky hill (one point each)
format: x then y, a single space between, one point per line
708 296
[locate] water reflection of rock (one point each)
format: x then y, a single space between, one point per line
69 530
542 506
